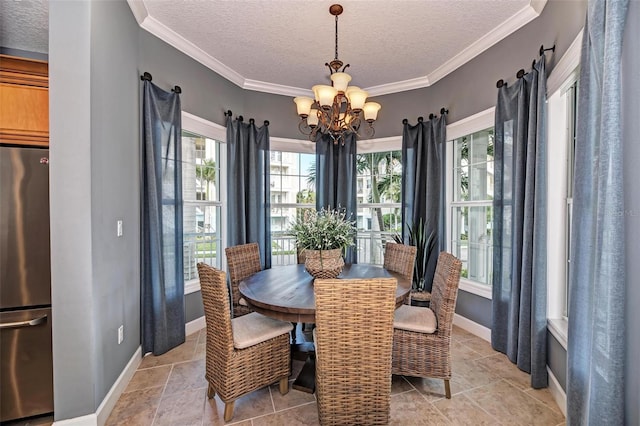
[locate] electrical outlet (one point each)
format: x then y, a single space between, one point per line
120 334
119 228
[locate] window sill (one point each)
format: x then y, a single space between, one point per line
473 287
191 286
559 329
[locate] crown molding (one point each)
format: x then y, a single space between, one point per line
169 36
277 89
566 66
139 10
399 86
517 21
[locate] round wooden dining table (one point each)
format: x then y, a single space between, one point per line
286 292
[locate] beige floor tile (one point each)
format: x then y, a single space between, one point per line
182 408
201 351
466 375
136 408
512 406
460 410
486 389
302 415
410 408
500 365
149 378
431 389
460 334
254 404
399 384
185 376
461 352
293 398
181 353
479 345
545 396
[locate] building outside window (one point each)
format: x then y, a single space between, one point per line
379 185
202 207
471 212
293 191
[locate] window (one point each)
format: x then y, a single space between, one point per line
571 96
378 214
379 184
471 215
292 191
202 206
560 165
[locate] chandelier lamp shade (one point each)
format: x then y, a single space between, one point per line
339 109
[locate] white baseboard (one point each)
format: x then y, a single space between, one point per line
472 327
88 420
558 393
99 418
195 325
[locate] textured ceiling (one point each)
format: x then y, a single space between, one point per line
24 25
287 42
281 46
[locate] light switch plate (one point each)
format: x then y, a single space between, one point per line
119 228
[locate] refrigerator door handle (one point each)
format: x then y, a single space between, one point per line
27 323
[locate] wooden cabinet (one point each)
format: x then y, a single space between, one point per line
24 101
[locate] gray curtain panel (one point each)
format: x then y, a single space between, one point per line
248 186
336 179
423 185
519 323
596 341
162 293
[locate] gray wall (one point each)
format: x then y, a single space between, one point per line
631 130
94 105
115 174
475 308
557 360
74 324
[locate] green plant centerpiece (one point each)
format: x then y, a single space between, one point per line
324 236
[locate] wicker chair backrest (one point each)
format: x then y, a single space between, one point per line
400 258
354 332
444 291
217 312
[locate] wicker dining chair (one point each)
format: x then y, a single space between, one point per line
422 336
400 258
243 354
353 338
242 261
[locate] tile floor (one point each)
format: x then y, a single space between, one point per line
487 390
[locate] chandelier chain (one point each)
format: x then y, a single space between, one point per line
336 37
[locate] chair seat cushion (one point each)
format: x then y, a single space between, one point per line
415 318
254 328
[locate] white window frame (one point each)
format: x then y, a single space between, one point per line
475 123
194 124
564 75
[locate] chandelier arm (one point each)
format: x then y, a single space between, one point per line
338 119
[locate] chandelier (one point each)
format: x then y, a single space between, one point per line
337 110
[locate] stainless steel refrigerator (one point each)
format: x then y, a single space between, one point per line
26 368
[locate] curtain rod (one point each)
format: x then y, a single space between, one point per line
521 72
147 76
443 111
228 113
